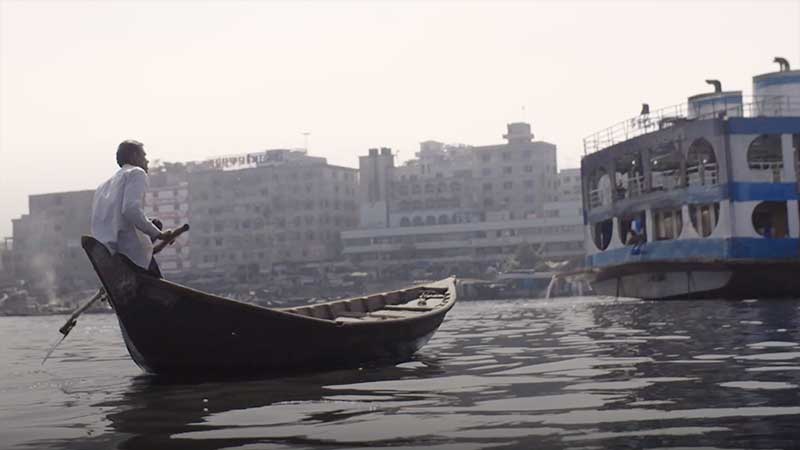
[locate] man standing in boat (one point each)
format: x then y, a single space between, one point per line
118 219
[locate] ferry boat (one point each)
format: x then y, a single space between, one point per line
699 200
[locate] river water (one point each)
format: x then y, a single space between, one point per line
580 373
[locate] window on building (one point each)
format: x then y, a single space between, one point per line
507 170
508 185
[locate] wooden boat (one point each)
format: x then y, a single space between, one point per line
171 329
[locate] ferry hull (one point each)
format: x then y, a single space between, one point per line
700 280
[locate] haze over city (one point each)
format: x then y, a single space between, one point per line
199 79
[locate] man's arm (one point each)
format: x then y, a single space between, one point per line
132 208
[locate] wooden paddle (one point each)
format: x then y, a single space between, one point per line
101 293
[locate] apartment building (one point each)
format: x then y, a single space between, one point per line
254 214
568 187
167 199
47 241
463 206
461 247
461 183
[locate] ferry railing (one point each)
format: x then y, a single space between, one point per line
760 106
766 171
702 174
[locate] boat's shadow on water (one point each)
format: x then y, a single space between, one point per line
157 412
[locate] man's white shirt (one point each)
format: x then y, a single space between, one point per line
118 219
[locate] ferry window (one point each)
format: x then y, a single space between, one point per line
796 144
443 219
701 164
668 224
770 220
633 229
601 233
665 168
764 156
704 218
405 222
599 188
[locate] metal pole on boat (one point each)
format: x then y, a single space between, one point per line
101 293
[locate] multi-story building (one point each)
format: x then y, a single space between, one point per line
461 247
47 241
569 185
168 200
447 184
252 212
463 205
5 261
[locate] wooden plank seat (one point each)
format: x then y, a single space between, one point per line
408 308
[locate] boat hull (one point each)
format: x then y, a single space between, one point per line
698 280
172 329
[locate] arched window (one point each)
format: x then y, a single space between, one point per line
770 220
765 158
704 218
418 221
601 233
430 220
665 168
629 178
599 188
701 164
443 219
405 222
668 224
631 232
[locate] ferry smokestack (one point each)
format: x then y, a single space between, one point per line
783 63
717 85
645 109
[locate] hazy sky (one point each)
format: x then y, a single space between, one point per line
193 79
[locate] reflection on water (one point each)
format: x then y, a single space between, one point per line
576 373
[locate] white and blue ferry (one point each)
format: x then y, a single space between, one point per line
699 200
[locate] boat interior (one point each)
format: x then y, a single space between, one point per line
392 305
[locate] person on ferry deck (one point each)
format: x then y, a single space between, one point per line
118 219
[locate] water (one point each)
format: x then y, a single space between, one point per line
580 373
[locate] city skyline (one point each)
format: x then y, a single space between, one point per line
78 77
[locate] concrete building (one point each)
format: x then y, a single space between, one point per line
568 187
463 248
463 208
168 199
46 242
255 214
6 273
447 184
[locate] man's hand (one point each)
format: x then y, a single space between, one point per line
165 235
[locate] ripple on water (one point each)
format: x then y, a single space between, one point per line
769 385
